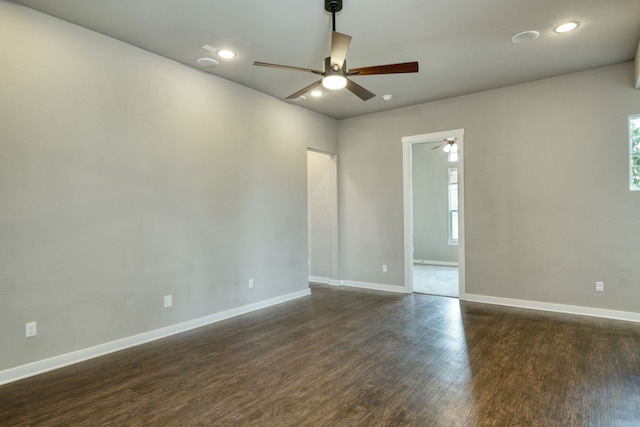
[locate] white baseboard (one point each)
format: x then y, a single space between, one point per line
324 280
510 302
558 308
42 366
429 262
374 286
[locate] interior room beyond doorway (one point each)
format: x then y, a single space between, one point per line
436 280
434 213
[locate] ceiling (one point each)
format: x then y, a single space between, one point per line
463 46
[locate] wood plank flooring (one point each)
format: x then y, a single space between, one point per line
345 357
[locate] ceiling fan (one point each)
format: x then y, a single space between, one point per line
447 145
334 72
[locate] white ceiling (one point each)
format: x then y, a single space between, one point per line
463 46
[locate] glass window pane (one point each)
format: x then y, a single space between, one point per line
453 198
454 225
453 205
453 175
634 152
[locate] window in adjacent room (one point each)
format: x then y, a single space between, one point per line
634 152
453 206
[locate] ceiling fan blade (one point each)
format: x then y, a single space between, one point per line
305 90
286 67
339 48
405 67
359 91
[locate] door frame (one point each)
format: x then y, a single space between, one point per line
407 189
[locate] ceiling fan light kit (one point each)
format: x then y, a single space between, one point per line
334 82
335 72
448 145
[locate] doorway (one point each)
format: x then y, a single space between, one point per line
435 219
434 214
322 203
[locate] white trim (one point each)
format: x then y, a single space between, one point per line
407 142
430 262
408 214
42 366
374 286
637 67
433 136
324 280
557 308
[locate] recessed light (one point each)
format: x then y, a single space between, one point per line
566 27
525 37
208 62
227 54
316 93
387 97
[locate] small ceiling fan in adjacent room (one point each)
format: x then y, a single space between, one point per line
448 145
335 72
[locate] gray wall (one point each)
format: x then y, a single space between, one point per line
319 193
125 177
547 206
430 197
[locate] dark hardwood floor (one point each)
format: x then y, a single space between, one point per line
345 357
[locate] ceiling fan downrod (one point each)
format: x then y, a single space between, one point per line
333 6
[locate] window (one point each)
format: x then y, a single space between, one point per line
634 152
453 206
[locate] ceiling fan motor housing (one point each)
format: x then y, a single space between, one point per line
333 5
328 69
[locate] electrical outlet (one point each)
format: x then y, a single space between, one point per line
384 268
599 286
31 329
250 283
168 301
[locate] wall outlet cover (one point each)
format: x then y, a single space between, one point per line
31 329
